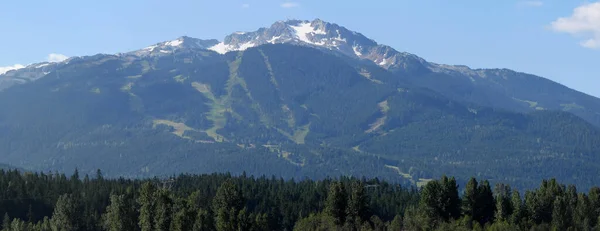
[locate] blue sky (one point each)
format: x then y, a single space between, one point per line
558 39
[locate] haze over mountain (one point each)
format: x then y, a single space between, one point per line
297 99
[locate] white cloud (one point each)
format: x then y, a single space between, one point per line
54 58
530 3
245 5
9 68
584 23
290 4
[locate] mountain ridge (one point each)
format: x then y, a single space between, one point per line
269 110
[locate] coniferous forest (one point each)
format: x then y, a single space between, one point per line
39 201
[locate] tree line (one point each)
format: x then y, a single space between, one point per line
221 202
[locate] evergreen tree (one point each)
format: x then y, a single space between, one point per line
336 203
396 223
19 225
583 215
261 222
244 221
469 201
66 215
561 218
503 202
163 211
6 223
118 214
518 208
451 200
485 203
228 196
540 205
146 201
594 200
416 219
357 209
203 221
226 204
439 201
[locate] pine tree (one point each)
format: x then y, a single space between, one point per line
261 222
66 215
561 218
226 219
469 201
6 223
228 196
594 198
163 211
336 203
19 225
485 203
181 221
503 202
518 208
396 223
357 208
118 214
146 200
583 215
451 201
203 221
243 220
227 203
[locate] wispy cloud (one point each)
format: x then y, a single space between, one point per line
54 58
9 68
245 5
530 4
290 5
583 23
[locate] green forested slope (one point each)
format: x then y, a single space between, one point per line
277 109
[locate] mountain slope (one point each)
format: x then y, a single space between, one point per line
276 109
498 88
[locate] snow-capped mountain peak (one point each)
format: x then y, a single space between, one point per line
318 34
168 47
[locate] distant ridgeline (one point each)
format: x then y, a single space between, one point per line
36 201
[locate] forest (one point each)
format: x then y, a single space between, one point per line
222 202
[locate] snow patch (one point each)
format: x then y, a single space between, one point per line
42 65
304 29
246 46
223 48
220 48
383 62
174 43
339 37
240 32
150 47
272 40
164 51
356 50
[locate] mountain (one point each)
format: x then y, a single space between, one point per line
276 109
291 108
499 88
